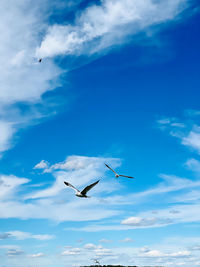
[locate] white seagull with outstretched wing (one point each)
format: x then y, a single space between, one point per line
82 193
116 174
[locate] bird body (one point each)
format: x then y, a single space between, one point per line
96 261
82 193
78 194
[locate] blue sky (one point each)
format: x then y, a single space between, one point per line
118 84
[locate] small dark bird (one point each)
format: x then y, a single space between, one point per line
96 261
116 174
40 60
84 191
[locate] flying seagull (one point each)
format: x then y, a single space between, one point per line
84 191
96 261
116 174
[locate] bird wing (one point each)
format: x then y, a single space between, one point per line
87 188
110 168
125 176
70 185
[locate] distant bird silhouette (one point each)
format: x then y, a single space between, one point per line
40 60
116 174
96 261
84 191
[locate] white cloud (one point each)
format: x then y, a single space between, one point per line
88 249
193 165
98 250
110 23
178 254
104 240
196 247
153 253
22 78
9 247
127 240
159 254
77 163
7 131
190 197
188 132
37 255
78 170
14 252
25 235
170 122
192 140
176 190
103 252
98 228
145 222
9 185
90 246
163 217
49 209
57 202
71 252
4 235
170 184
187 213
43 164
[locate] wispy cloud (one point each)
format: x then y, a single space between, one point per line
22 79
180 205
78 170
162 253
71 252
157 253
25 235
193 165
76 163
127 240
163 217
9 185
110 23
58 202
104 240
192 140
14 252
37 255
42 165
188 132
4 235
